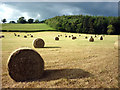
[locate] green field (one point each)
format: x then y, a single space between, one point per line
26 27
68 63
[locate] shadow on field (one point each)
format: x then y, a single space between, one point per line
64 73
52 47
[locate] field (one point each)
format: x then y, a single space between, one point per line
25 27
68 63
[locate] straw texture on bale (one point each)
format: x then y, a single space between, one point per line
38 43
117 45
56 38
91 39
25 64
101 38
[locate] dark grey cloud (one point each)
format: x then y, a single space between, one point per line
44 10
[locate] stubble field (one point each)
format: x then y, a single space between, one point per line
68 63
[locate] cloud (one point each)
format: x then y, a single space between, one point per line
45 10
60 0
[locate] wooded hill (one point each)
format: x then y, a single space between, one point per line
85 24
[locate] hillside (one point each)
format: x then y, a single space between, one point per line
86 24
26 27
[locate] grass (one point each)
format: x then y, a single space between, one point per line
25 27
68 63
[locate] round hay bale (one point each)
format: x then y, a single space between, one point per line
79 35
73 38
58 35
72 35
2 36
117 45
86 37
91 39
25 64
69 36
31 35
18 35
101 38
15 34
28 34
66 36
38 43
25 36
56 38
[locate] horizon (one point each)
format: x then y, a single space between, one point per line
45 10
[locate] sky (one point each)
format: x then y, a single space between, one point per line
44 10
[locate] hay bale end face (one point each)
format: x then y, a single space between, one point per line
117 45
91 39
38 43
56 38
25 64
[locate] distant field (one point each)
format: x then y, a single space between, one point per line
26 27
68 63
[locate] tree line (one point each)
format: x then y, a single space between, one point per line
86 24
22 20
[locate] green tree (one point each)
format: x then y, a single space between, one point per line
4 20
111 29
36 21
21 20
12 22
30 20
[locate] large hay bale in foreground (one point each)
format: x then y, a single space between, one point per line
56 38
117 45
91 39
38 43
25 64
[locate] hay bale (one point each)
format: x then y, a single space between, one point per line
79 35
117 45
56 38
25 36
66 36
15 34
73 38
25 64
69 36
101 38
91 39
58 35
86 37
18 35
2 36
38 43
31 35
